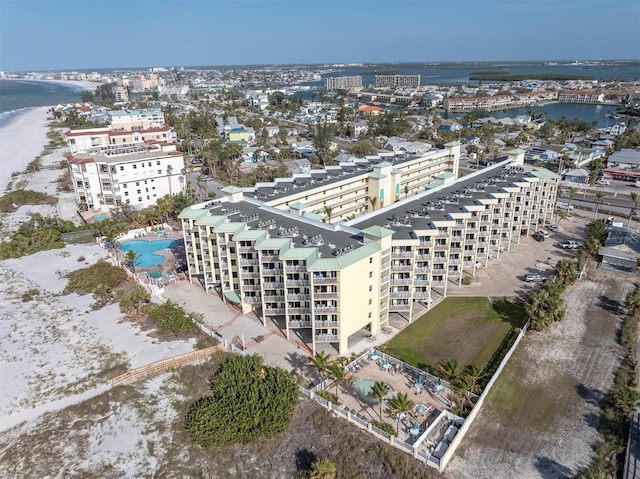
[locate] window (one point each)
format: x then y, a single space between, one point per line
121 167
369 302
124 185
370 274
149 163
137 183
369 315
370 288
148 197
128 201
135 166
126 193
139 191
370 260
158 162
159 172
140 199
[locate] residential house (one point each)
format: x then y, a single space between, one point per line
357 128
579 176
621 248
449 125
272 131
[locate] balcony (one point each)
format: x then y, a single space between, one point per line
251 287
252 299
248 262
298 310
246 249
438 283
426 244
271 271
249 274
400 294
325 309
443 234
401 254
421 281
274 311
401 281
325 280
422 270
269 257
404 267
326 295
400 307
299 324
423 257
326 337
273 298
273 285
326 324
295 269
455 250
297 296
421 294
455 260
297 282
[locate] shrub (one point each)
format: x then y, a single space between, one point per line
171 317
249 401
12 200
81 259
467 280
100 279
383 426
38 234
329 397
29 295
133 303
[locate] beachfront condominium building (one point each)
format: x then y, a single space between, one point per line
134 175
352 83
397 81
132 120
105 139
326 282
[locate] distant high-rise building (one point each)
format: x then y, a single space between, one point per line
397 81
343 83
121 94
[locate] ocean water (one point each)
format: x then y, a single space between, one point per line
17 95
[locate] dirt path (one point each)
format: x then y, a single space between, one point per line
541 418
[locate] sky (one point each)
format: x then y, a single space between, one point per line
88 34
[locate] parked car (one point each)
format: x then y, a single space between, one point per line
570 245
535 278
563 206
552 227
603 182
543 233
537 237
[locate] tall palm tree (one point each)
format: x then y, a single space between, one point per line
634 205
400 403
339 375
319 364
131 257
373 200
474 376
169 173
566 270
599 197
572 192
378 391
328 212
627 400
448 369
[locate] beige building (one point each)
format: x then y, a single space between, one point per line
327 283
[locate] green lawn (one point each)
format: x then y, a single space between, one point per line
470 330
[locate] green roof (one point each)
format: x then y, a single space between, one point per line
231 189
341 262
298 253
378 231
517 151
211 220
313 216
232 296
544 173
191 212
452 143
376 176
230 227
396 171
249 235
272 243
382 164
298 206
445 175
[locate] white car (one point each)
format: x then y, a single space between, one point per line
563 206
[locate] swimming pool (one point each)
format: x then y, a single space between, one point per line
145 250
100 217
364 386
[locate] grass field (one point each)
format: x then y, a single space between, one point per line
470 330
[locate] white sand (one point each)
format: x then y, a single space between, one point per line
21 141
80 85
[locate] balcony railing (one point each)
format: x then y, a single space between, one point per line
401 254
425 243
296 269
252 299
274 311
248 262
269 257
401 281
325 280
249 274
271 271
273 298
294 323
400 294
404 267
325 309
273 285
297 296
251 287
421 294
438 283
297 282
298 310
326 337
326 324
326 295
423 257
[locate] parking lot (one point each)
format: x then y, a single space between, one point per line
505 276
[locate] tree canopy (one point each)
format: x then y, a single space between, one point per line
249 400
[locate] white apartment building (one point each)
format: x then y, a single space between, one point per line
135 175
576 96
343 83
397 81
323 283
131 120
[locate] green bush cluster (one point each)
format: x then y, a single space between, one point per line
383 426
249 400
171 317
12 200
329 397
29 295
100 278
38 234
467 280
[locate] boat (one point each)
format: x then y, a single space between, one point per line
615 116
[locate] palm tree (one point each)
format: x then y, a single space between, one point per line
474 376
328 211
323 469
448 369
319 364
566 270
339 375
599 197
627 400
400 403
634 205
378 391
406 191
632 301
373 200
169 172
572 192
131 257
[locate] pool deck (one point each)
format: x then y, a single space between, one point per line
172 257
398 382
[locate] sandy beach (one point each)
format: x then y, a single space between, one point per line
80 85
21 140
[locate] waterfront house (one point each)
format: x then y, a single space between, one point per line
579 176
